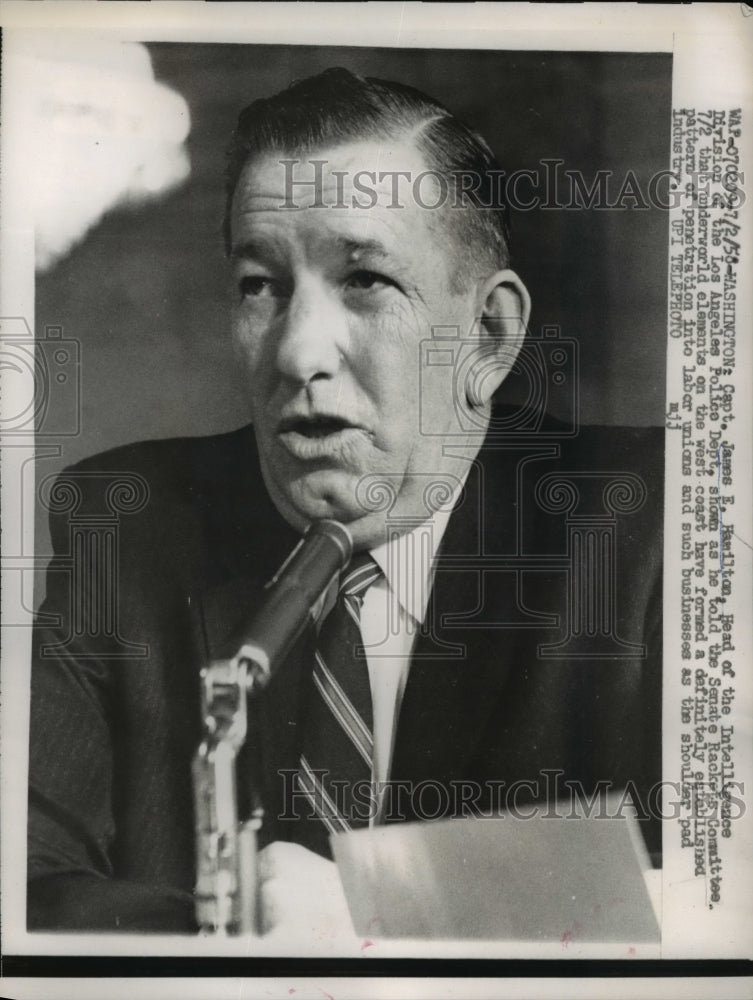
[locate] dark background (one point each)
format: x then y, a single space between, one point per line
145 292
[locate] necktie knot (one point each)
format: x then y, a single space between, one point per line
359 576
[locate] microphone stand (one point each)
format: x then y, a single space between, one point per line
226 880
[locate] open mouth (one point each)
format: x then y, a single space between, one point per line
314 427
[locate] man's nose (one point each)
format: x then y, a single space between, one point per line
313 335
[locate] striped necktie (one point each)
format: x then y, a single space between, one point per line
337 751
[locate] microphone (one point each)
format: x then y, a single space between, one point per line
226 888
295 596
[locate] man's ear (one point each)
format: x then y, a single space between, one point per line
503 308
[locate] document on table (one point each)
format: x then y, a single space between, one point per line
501 877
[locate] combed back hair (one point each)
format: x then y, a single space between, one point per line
337 107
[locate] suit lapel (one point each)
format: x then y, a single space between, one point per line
459 668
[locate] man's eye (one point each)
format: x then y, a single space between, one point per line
257 286
367 281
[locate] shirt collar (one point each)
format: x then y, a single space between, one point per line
408 560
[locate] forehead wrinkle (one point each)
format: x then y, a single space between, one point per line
361 231
351 248
257 246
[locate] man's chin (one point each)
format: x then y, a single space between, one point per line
301 504
328 496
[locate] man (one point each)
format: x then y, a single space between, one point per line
376 314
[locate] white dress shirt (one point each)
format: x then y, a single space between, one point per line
393 610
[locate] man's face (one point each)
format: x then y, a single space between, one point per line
330 308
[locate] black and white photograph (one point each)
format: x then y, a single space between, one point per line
376 540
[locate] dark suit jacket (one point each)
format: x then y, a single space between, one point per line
527 672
